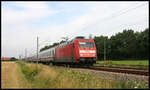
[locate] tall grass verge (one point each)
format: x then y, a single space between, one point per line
59 77
29 71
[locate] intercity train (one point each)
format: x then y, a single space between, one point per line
79 51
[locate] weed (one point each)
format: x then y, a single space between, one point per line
123 83
29 72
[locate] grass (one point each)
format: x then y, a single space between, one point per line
42 76
12 76
130 63
29 71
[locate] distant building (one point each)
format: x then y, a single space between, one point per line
5 58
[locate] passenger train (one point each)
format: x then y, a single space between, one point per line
79 51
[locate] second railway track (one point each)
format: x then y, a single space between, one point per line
120 70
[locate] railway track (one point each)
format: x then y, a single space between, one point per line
135 71
125 67
120 70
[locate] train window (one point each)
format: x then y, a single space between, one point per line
50 53
53 52
86 44
69 42
47 54
44 55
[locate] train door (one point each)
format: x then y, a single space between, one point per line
74 53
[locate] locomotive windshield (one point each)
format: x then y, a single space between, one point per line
86 44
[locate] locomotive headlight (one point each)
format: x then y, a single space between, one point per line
92 51
82 51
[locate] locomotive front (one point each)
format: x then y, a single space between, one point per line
86 49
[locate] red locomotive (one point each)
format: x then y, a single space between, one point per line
77 51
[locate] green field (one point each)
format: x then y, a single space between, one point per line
124 63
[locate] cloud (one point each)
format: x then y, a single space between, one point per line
115 20
98 21
98 18
30 11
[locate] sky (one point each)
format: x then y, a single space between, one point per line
23 22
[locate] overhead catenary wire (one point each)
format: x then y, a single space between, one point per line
132 24
44 41
121 12
130 9
116 14
32 51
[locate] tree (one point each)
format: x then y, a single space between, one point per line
99 41
62 42
13 59
47 47
124 45
143 44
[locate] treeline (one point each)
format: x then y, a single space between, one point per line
13 59
124 45
49 46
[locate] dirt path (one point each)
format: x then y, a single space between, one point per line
12 77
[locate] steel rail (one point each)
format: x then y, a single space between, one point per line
120 70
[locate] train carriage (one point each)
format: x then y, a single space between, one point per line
47 55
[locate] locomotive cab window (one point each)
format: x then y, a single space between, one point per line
86 44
